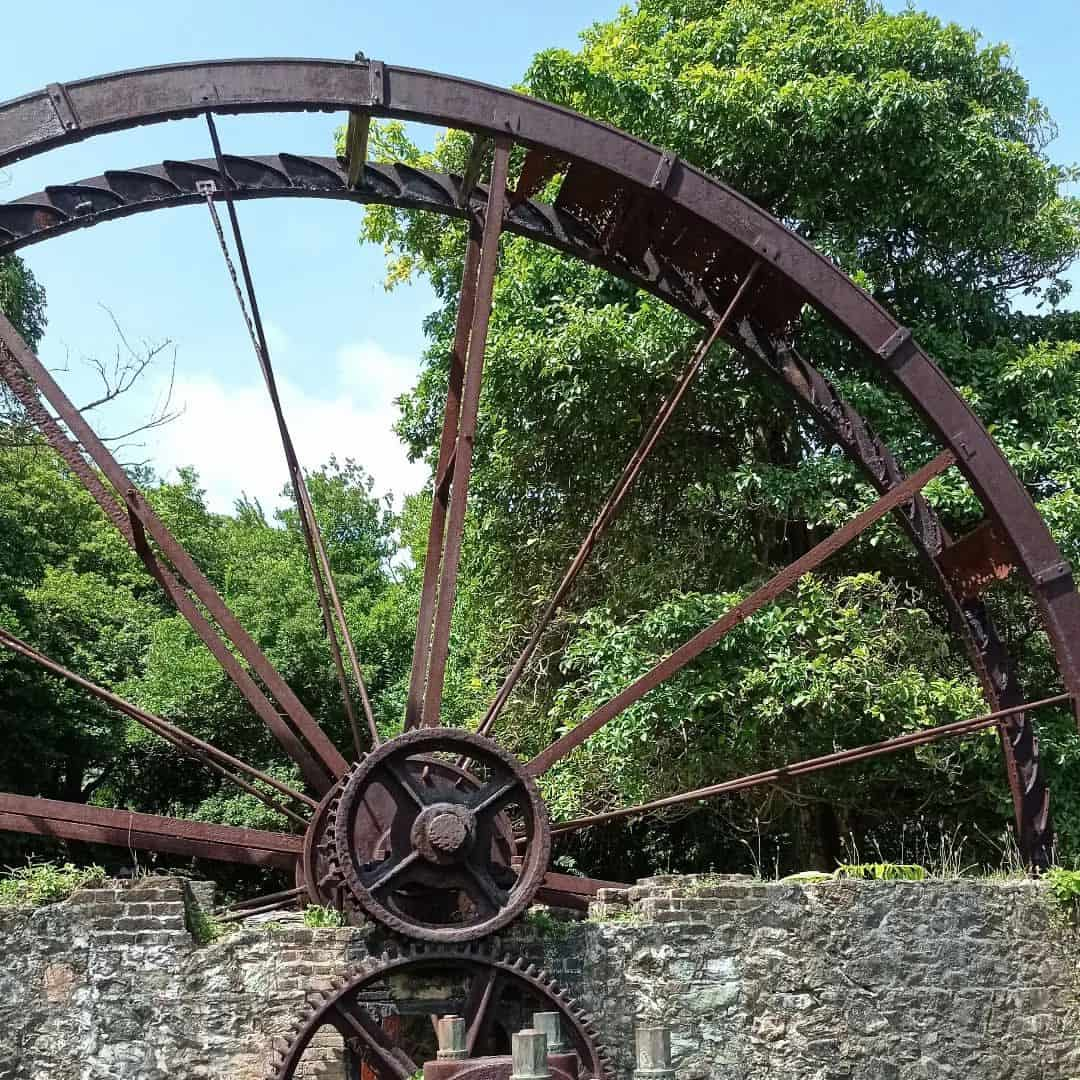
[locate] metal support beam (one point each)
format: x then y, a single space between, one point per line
148 832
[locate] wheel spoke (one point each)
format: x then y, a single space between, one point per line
318 560
443 472
610 509
205 753
768 592
488 889
386 874
493 796
818 764
147 832
455 464
262 905
480 1007
402 779
391 1062
27 377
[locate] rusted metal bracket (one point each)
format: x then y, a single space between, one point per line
61 103
539 168
473 168
977 560
663 171
356 144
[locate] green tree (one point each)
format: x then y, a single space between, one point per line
72 588
915 156
22 299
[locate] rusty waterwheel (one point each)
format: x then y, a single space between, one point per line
442 834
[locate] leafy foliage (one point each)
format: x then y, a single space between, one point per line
205 927
915 156
72 588
46 883
882 871
316 916
1065 885
22 299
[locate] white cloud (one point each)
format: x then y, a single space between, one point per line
228 434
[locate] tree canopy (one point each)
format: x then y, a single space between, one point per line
913 155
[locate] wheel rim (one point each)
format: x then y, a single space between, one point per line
748 291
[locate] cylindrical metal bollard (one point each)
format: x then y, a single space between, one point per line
451 1035
551 1025
653 1045
530 1056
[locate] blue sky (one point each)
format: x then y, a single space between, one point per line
343 347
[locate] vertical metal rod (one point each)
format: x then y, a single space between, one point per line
325 586
478 1008
443 472
612 504
466 434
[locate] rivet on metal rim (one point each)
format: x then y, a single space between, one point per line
892 349
61 103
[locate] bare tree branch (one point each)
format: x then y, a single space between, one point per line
117 377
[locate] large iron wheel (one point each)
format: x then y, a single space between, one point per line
643 215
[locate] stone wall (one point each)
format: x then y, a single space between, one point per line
890 981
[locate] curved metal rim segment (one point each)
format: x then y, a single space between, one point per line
66 113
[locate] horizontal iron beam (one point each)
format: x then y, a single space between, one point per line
147 832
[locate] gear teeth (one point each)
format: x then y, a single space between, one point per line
597 1060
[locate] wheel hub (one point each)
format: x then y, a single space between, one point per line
443 832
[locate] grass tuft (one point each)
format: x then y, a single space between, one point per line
316 916
46 883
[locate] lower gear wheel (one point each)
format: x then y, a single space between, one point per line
440 836
383 1012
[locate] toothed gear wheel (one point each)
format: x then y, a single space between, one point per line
318 869
463 852
383 1009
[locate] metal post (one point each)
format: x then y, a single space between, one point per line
530 1056
653 1045
550 1024
451 1034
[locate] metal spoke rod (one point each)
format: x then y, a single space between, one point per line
20 369
768 592
476 300
326 588
204 752
443 473
818 764
613 503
